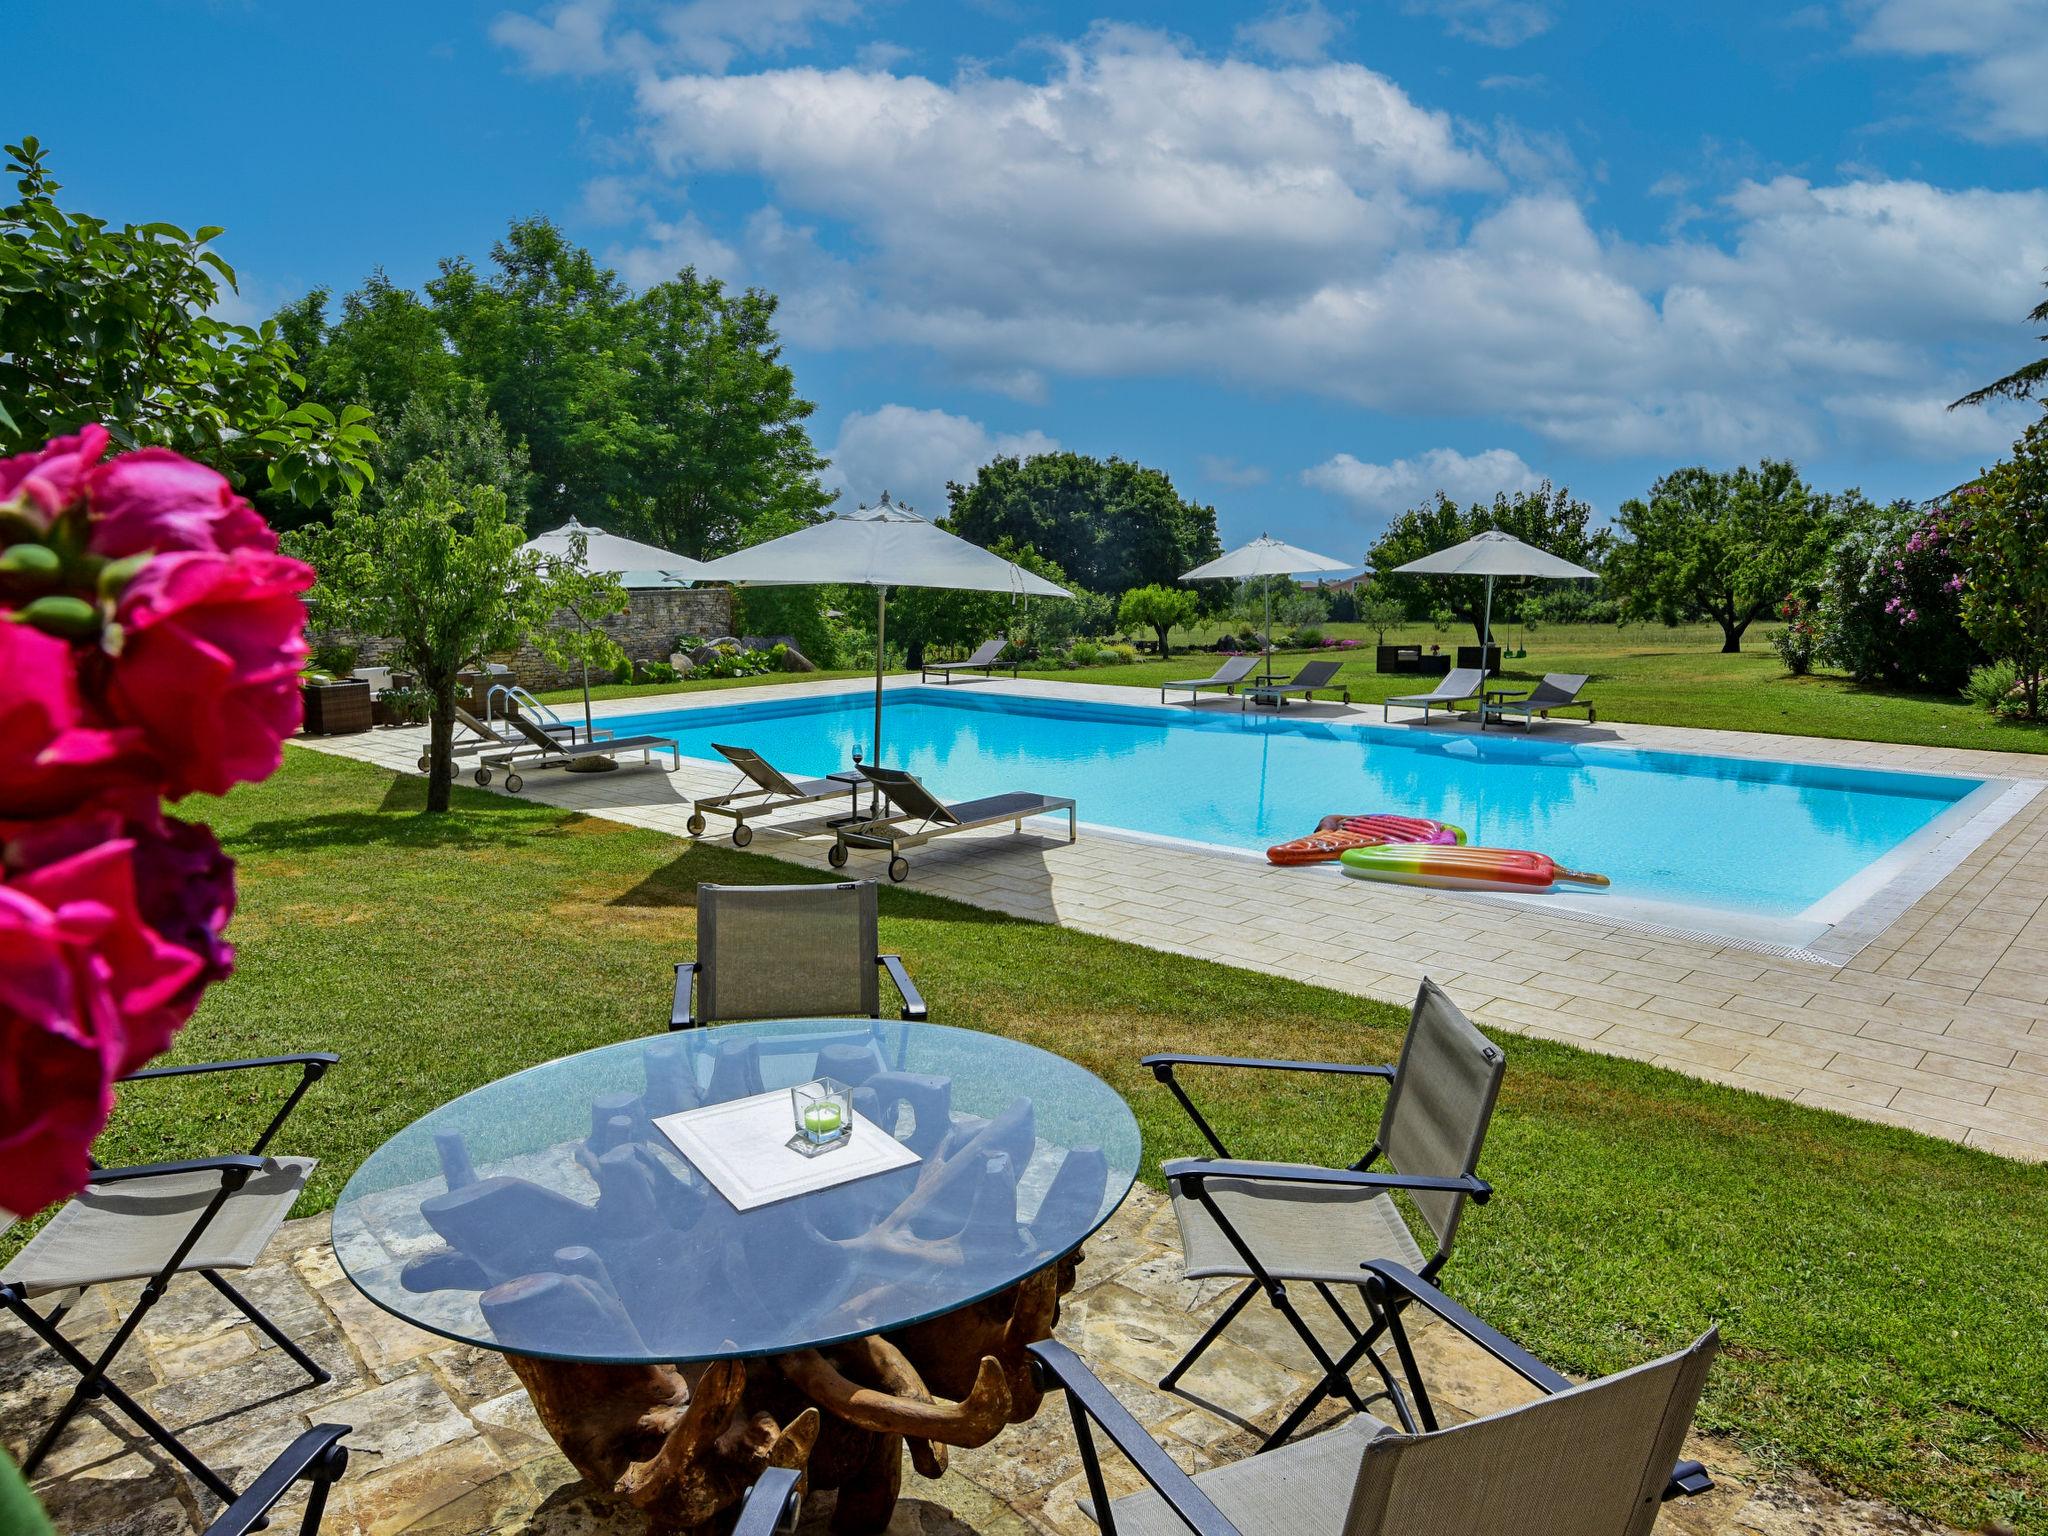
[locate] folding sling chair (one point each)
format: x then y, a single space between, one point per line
1599 1459
317 1457
150 1223
1272 1223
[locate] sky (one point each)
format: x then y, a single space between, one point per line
1315 260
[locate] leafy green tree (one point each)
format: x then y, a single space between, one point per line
1379 611
584 598
2021 383
1158 609
438 569
1109 523
2000 527
385 351
117 326
458 429
1727 544
1550 518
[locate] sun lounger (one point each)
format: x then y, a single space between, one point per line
985 660
485 737
545 751
923 817
1456 688
1313 675
1226 677
1558 690
773 791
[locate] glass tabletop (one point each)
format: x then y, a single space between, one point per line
546 1214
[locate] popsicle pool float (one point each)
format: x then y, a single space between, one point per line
1457 868
1335 835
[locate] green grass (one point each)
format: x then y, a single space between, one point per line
1645 674
1881 1294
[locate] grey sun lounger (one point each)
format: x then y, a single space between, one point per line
922 817
985 660
1313 675
545 751
485 737
1558 690
773 790
1456 688
1226 677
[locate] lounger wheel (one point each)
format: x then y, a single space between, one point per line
742 834
426 762
514 783
837 857
899 869
695 825
483 777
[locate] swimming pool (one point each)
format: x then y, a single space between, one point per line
1672 830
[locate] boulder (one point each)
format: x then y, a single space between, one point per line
683 665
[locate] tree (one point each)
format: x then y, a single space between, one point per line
1110 524
386 350
583 597
1548 517
1727 544
118 326
2021 383
1379 611
1158 609
2000 527
437 568
458 429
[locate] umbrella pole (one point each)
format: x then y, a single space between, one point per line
1486 633
881 637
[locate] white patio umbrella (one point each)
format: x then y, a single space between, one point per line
882 546
634 563
1490 554
1264 557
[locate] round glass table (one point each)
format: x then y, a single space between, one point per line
547 1215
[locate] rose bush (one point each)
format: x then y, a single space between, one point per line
150 643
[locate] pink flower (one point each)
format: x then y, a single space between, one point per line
53 477
154 501
54 752
208 667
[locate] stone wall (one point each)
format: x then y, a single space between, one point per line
646 631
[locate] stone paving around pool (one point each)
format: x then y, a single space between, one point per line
1934 1014
445 1443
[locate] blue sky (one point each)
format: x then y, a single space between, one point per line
1315 260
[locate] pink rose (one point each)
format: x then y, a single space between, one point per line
53 752
154 501
209 665
53 477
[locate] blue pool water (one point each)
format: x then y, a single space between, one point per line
1764 838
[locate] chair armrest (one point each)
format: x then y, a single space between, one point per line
1387 1277
316 1063
231 1163
1162 1065
318 1456
1057 1366
913 1000
771 1505
1195 1169
680 1014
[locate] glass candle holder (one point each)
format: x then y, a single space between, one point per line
823 1112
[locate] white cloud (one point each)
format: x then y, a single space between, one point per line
1999 50
912 454
1299 31
1228 471
584 37
712 33
1381 489
565 39
1920 425
1495 23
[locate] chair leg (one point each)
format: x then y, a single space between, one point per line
1215 1330
275 1334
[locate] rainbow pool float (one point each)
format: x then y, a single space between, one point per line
1459 868
1335 835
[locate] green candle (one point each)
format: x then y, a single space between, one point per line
822 1118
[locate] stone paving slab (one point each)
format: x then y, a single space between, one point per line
1937 1021
444 1443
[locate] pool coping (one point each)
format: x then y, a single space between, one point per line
1938 1021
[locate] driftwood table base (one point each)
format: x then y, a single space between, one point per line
684 1443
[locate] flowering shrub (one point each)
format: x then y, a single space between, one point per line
150 642
1891 610
1797 641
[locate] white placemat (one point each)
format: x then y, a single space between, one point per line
742 1147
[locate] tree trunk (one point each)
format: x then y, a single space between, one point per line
1731 627
1162 630
441 742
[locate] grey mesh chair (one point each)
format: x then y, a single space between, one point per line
1272 1223
317 1458
1592 1460
788 952
152 1223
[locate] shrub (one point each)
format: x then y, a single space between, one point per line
410 705
1891 609
1799 639
654 672
798 612
1082 653
1994 685
1120 655
1305 639
1571 602
337 658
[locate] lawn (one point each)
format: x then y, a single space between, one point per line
1881 1294
1645 674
